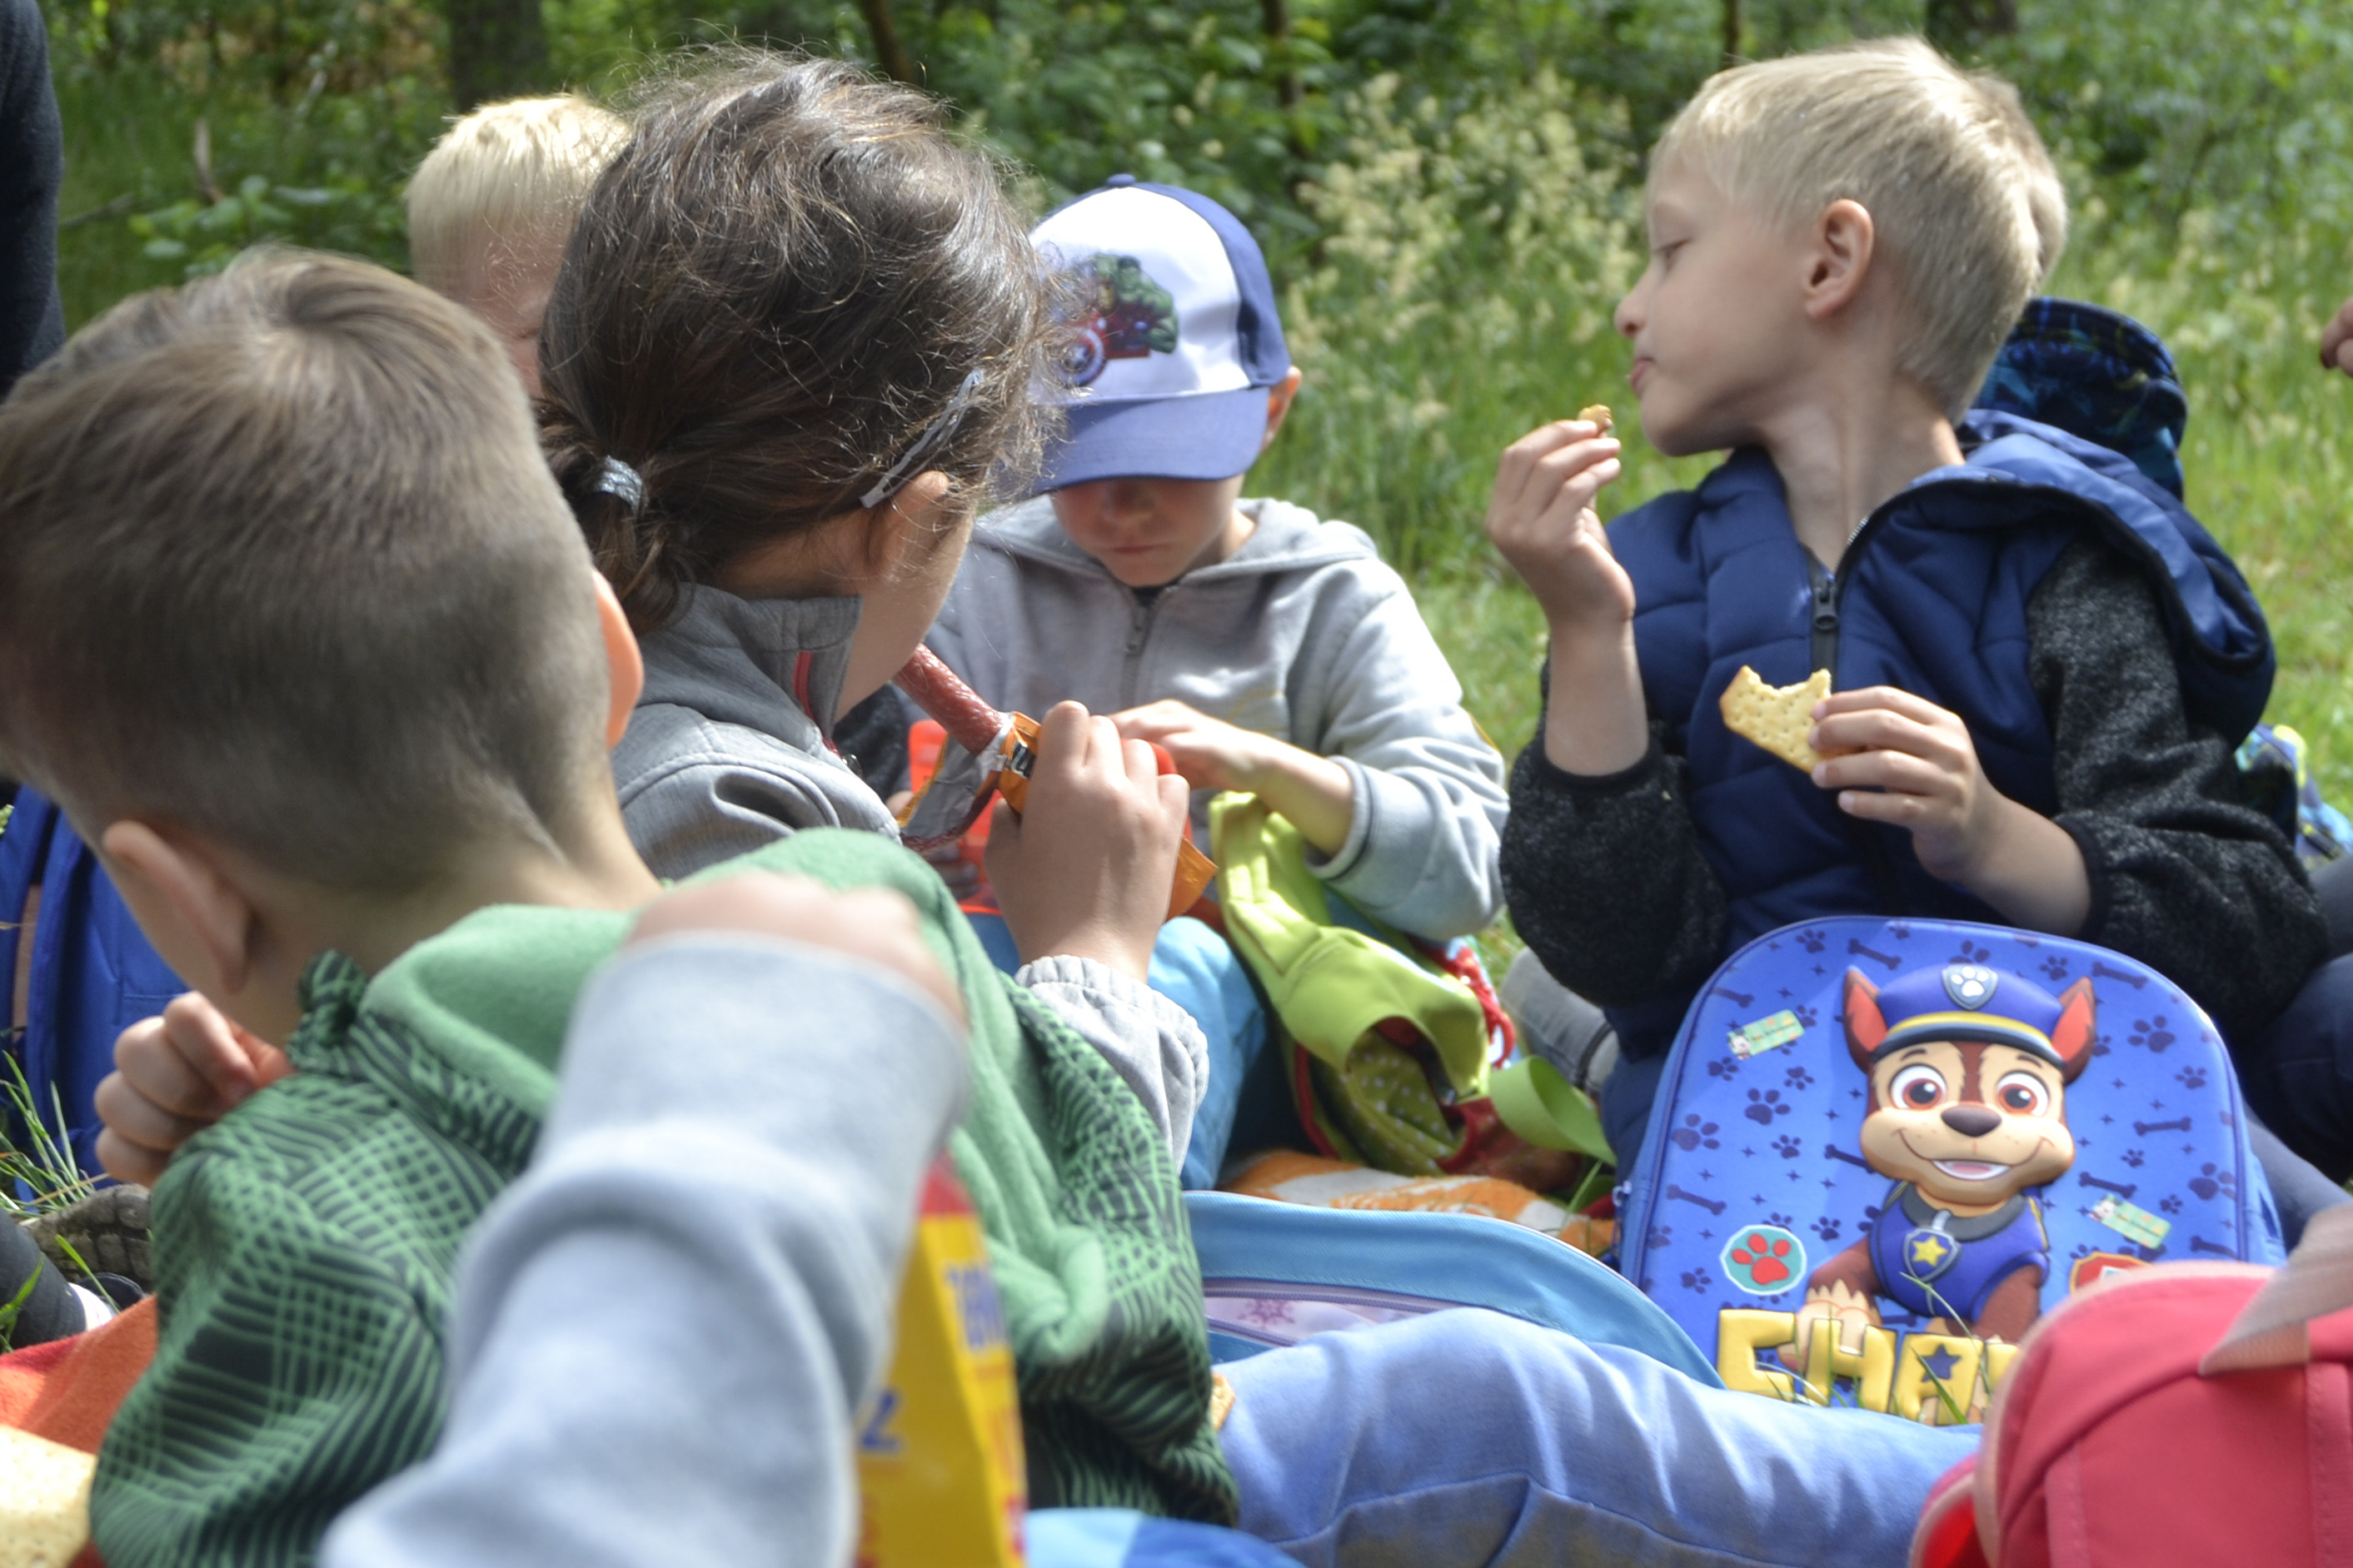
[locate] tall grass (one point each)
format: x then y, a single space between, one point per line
1463 295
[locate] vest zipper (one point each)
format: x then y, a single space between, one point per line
1138 632
1827 590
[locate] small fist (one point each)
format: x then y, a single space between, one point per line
2337 340
175 1075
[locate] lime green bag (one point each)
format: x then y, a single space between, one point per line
1390 1051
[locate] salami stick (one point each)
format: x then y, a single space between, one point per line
942 693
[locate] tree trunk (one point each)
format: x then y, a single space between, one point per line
1956 26
1732 30
1276 14
889 52
498 48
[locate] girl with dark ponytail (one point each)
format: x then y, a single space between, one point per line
790 352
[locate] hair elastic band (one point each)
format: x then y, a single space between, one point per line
936 435
622 482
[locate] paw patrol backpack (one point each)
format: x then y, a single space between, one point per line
1882 1149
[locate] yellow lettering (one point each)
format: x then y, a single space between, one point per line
1740 1334
1873 1367
1918 1389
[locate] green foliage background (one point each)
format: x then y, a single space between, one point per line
1449 193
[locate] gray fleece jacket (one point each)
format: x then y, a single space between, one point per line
1302 633
726 752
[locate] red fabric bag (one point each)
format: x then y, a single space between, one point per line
2182 1413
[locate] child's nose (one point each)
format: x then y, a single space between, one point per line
1971 1121
1629 317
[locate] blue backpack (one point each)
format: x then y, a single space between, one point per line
1882 1148
92 974
1273 1274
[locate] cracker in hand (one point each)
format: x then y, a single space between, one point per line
1596 413
1775 717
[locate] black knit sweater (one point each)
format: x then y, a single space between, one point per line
32 165
1607 883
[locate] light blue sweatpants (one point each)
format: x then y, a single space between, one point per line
1468 1437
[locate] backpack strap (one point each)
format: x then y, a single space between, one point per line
2270 1330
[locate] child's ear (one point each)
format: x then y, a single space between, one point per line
189 899
626 666
1278 405
1843 243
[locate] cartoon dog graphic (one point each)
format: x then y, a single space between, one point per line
1968 1071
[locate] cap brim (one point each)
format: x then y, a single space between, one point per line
1947 1535
1207 436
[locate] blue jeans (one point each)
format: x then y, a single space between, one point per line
1120 1538
1469 1437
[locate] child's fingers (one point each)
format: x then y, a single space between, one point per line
1901 776
1883 729
137 1121
1532 467
127 1162
1895 699
186 1061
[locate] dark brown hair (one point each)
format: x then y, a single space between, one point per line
280 562
787 275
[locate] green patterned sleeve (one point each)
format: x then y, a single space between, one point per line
296 1367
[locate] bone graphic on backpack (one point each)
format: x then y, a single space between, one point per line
2122 1189
2181 1124
1968 1071
1856 949
2110 972
1712 1205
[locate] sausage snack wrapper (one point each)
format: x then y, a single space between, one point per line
941 1474
988 753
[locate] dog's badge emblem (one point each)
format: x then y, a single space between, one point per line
1970 985
1928 1253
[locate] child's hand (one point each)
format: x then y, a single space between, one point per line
1912 763
1542 519
1313 792
875 924
2337 340
1084 871
175 1076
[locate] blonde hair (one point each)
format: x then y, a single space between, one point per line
1964 199
507 178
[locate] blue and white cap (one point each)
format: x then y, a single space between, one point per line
1175 339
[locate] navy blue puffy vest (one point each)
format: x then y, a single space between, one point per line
1931 597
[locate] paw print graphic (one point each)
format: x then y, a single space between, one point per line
1694 1134
1807 1017
1764 1257
1784 1221
1268 1311
1700 1280
1800 1078
1764 1104
2133 1158
1723 1066
1786 1146
2171 1204
1827 1228
2054 967
2192 1077
1658 1236
1972 953
1811 940
2099 1044
2150 1033
1900 929
2210 1181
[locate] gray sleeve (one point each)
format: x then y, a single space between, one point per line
1606 881
1426 799
2185 875
1152 1043
663 1331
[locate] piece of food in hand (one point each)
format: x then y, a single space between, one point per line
1596 413
1775 717
44 1501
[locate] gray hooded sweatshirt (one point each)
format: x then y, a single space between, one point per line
1302 633
724 753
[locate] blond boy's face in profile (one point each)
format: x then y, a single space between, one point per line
1716 319
506 283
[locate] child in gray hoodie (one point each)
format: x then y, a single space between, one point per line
1267 650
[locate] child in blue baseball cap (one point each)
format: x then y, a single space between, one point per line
1268 649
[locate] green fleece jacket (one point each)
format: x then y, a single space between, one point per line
305 1247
